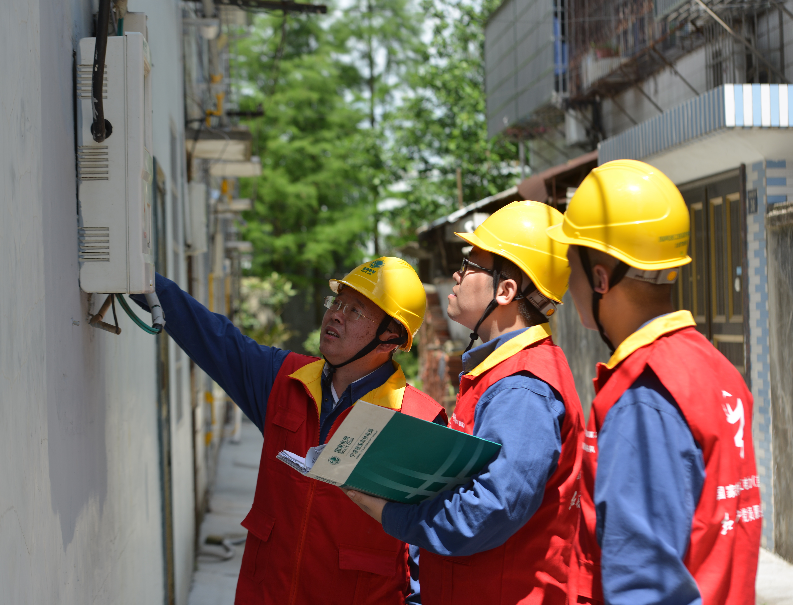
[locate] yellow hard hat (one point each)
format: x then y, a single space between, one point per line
518 232
630 211
392 285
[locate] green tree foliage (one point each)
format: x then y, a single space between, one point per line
441 124
354 102
308 221
383 40
261 303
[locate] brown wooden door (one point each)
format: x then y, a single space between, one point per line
711 285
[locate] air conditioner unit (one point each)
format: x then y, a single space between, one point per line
115 176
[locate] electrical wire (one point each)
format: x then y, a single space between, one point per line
113 304
100 128
138 321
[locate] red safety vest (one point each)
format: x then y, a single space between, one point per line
532 566
308 543
712 395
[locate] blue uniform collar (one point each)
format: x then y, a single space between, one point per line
330 410
477 355
363 385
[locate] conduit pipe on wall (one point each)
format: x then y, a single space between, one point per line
96 320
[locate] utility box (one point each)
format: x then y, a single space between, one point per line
115 176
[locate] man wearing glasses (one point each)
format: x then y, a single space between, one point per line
506 537
307 543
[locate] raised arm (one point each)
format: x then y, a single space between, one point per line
242 367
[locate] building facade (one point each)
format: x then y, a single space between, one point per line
699 89
108 438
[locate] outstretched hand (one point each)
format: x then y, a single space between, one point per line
369 504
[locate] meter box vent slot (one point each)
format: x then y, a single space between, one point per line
85 81
93 163
94 244
115 176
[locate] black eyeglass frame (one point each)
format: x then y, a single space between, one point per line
467 262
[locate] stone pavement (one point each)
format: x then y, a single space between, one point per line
215 580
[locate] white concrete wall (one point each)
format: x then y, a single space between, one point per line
165 43
668 90
665 88
80 506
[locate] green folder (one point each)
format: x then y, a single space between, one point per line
384 453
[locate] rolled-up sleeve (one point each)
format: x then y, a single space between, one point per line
502 498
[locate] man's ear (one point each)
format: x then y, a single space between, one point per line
600 275
386 348
390 333
507 291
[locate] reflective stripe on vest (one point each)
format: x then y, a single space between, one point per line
717 406
307 542
532 566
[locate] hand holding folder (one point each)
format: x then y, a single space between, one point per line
381 452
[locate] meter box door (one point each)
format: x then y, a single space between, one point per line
115 176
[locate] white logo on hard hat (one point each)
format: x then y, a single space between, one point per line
735 415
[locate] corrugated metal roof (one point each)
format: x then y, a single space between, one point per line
730 106
458 214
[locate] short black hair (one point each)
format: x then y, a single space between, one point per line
641 292
530 314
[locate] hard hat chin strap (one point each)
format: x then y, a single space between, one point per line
616 276
491 306
538 300
531 293
373 344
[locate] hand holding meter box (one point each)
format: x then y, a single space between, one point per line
384 453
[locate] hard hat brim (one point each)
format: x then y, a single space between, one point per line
557 234
472 239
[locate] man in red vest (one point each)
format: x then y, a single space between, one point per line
307 543
670 505
507 536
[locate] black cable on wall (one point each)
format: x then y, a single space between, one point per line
100 128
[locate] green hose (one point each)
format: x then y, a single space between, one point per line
135 318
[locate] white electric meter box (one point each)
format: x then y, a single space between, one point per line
115 176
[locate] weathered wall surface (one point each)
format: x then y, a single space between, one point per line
759 337
665 88
165 43
780 299
80 506
582 347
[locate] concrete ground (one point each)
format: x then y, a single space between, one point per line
215 580
774 580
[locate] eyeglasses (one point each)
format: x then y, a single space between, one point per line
468 263
334 304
